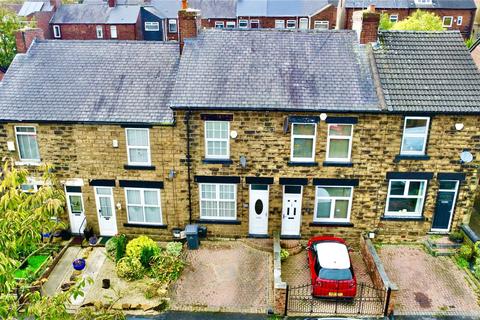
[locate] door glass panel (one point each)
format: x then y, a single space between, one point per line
259 187
76 204
293 189
259 206
105 206
448 185
446 197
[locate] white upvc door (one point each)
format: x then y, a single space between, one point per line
107 221
258 207
292 210
76 212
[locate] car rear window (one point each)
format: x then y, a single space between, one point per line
335 274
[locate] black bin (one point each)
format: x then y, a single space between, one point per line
202 231
191 231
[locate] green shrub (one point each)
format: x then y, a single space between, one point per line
111 247
284 254
456 236
166 268
466 252
174 248
146 256
462 263
121 244
135 246
130 268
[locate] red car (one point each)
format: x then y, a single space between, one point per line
331 268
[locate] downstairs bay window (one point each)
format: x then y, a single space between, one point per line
405 198
218 201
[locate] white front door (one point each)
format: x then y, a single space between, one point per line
291 210
107 221
258 207
76 212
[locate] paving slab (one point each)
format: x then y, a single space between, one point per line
62 271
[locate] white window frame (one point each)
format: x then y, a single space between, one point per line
149 162
240 22
406 196
99 31
152 26
218 200
451 22
230 25
219 25
34 133
257 21
333 205
278 22
171 24
305 22
217 157
317 23
335 137
113 32
459 20
143 205
56 31
294 22
302 136
423 2
415 135
393 18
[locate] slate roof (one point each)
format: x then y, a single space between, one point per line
210 9
91 81
281 8
427 72
275 70
410 4
33 6
94 13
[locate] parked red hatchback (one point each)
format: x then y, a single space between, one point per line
331 268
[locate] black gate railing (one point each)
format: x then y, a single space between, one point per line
368 301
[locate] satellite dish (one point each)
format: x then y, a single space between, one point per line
466 157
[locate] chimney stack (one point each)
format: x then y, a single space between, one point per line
56 4
366 24
189 23
112 3
25 37
341 12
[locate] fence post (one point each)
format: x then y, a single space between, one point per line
387 301
286 301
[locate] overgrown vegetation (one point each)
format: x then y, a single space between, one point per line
284 254
468 256
418 21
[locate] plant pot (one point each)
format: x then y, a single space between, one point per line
106 283
92 240
79 264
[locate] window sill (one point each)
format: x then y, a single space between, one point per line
331 224
411 157
149 226
131 167
213 221
302 164
402 218
288 237
337 164
258 236
217 161
28 163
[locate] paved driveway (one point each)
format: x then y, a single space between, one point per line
427 284
226 276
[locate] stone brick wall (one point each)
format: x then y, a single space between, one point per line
89 32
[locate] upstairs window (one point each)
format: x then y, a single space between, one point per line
172 25
243 24
405 198
218 201
279 24
321 25
219 24
303 142
393 18
230 24
56 31
291 24
254 24
99 32
143 206
333 204
217 140
447 22
113 32
138 146
415 133
27 143
339 142
303 23
152 26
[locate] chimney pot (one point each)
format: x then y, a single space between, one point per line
25 37
112 3
184 5
371 8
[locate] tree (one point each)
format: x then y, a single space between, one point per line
9 23
418 21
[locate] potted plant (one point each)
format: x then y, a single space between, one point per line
456 237
79 264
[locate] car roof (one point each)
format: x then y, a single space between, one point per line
332 255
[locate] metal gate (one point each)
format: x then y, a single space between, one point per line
368 301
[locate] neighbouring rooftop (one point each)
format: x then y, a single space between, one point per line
93 13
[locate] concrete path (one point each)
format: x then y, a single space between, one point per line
62 271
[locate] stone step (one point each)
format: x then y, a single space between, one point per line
443 245
439 252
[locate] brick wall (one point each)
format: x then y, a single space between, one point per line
210 23
42 20
329 14
89 32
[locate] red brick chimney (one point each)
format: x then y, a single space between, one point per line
112 3
366 24
188 23
25 37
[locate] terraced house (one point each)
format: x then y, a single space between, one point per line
252 131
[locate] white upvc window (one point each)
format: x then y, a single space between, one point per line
320 25
254 24
230 24
243 24
27 143
393 18
459 20
405 198
447 21
303 142
424 2
218 201
303 24
172 25
339 142
217 144
138 146
99 32
333 203
279 24
143 206
113 32
219 24
56 31
415 133
291 24
152 26
29 187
